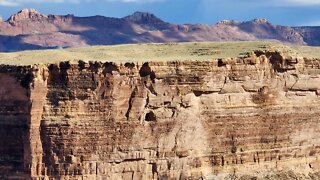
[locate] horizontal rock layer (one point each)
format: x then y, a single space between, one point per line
253 117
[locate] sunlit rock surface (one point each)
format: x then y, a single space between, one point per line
248 118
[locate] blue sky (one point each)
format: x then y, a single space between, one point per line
284 12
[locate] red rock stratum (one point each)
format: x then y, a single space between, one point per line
29 29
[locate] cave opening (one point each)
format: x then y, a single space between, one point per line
221 63
150 117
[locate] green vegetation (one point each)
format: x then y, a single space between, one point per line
308 51
154 52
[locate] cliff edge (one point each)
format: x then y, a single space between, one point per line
250 117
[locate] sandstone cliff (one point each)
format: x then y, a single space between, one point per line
252 117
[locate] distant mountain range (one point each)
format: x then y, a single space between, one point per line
29 29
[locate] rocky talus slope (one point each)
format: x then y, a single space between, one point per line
243 118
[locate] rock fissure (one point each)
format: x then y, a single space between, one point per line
133 93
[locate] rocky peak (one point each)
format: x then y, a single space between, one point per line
227 22
26 14
143 17
58 19
261 21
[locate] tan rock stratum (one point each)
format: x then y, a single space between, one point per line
252 117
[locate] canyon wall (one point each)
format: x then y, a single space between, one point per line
241 118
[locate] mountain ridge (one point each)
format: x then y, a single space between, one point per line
29 29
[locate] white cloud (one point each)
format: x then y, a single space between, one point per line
282 3
310 23
21 2
286 3
8 3
135 1
300 2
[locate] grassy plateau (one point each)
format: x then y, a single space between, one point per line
194 51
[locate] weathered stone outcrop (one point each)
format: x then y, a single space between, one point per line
26 14
253 117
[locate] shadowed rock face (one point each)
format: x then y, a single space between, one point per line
249 117
30 29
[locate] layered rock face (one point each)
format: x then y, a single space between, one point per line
253 117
